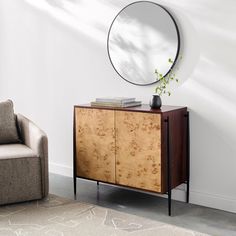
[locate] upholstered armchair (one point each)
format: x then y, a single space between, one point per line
23 162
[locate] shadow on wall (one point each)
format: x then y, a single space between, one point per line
189 53
215 29
88 17
219 110
93 18
212 154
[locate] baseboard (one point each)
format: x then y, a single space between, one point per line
214 201
60 169
199 198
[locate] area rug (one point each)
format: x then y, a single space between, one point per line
56 216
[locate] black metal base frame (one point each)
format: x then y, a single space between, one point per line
168 163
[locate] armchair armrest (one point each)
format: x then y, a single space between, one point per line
36 139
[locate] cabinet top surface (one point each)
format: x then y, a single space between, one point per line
142 108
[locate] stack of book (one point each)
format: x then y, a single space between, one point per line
116 102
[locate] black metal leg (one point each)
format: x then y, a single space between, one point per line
75 185
74 154
187 157
187 196
98 194
169 202
168 166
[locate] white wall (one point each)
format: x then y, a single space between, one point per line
53 56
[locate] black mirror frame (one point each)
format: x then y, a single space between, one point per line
178 37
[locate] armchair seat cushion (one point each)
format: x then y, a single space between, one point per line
20 174
12 151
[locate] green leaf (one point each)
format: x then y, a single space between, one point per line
164 81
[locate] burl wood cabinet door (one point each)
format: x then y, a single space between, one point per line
138 150
95 144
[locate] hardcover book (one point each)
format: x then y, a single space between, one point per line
115 99
116 104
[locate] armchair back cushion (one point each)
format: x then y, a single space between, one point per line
8 128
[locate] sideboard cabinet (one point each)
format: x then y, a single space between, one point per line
137 147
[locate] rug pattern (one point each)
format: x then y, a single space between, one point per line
56 216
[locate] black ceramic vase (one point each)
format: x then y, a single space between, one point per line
155 102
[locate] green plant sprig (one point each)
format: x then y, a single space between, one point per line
163 81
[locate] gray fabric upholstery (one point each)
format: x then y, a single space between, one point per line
8 129
24 167
20 174
12 151
36 139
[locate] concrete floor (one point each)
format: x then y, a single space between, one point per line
201 219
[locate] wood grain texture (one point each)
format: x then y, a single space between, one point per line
95 144
138 150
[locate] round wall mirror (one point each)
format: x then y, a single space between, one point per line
141 39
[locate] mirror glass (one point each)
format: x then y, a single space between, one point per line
142 38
